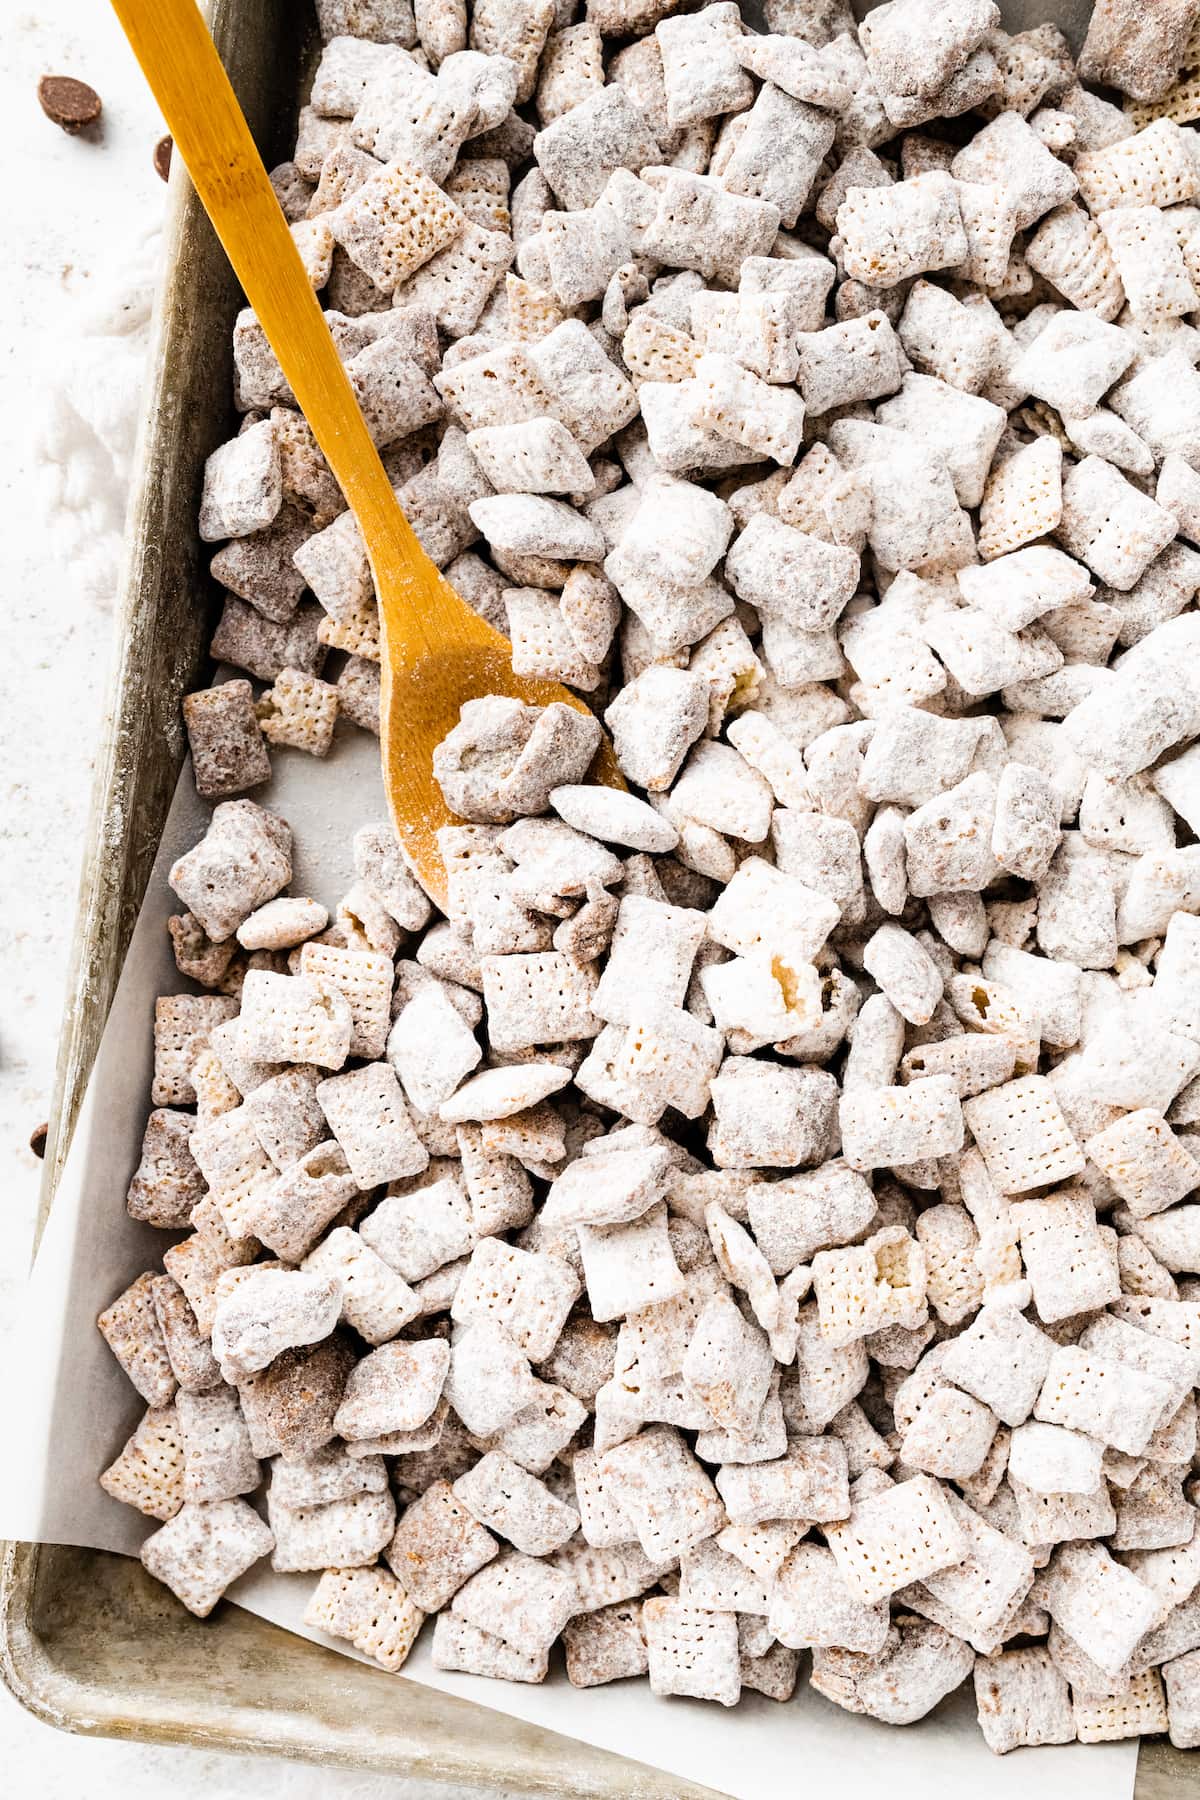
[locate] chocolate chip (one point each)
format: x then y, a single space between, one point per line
37 1139
70 103
162 156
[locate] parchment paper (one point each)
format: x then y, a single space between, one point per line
70 1408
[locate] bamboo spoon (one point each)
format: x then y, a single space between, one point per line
436 651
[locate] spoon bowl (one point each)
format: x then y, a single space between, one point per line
421 701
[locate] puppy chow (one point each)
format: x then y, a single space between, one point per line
759 1213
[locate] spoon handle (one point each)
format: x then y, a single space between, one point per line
180 62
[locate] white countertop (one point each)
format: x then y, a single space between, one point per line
73 210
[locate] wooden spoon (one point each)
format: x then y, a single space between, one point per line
437 652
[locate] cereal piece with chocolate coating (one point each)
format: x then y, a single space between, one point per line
243 485
226 743
606 1645
1138 52
262 1312
289 1407
1009 151
243 860
167 1183
204 1548
1022 1698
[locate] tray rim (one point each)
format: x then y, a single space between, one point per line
520 1757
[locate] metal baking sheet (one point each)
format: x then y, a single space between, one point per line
87 1640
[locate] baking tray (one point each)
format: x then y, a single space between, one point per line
88 1642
